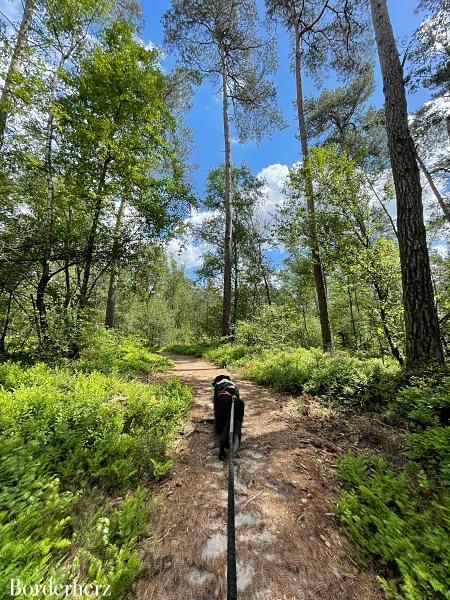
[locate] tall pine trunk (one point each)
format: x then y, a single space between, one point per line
112 289
227 247
14 65
423 342
325 325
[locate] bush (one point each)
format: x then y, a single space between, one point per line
283 370
338 376
69 442
349 379
110 352
227 354
275 326
426 401
191 349
400 519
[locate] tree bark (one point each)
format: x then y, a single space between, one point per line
383 317
352 316
5 326
112 289
264 275
227 250
49 214
14 65
236 284
90 244
325 325
423 342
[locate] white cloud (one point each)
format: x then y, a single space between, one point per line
185 250
188 252
274 178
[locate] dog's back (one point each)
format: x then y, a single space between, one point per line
224 392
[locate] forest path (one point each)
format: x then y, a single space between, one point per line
288 545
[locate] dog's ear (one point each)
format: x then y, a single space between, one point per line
213 382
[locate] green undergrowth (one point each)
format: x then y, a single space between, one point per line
397 518
190 349
77 450
340 376
109 352
401 517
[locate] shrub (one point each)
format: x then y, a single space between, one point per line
400 519
426 401
431 449
191 349
69 441
227 354
110 352
275 326
283 370
349 379
339 376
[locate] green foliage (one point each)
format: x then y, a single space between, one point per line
69 440
274 326
400 519
191 349
285 370
227 354
339 376
350 379
110 352
431 449
425 400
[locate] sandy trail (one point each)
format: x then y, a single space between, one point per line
288 545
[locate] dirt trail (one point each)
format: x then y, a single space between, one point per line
288 545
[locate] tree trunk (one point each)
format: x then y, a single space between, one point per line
325 325
423 340
49 214
383 317
438 195
111 301
14 65
352 316
264 274
227 250
236 284
90 244
5 326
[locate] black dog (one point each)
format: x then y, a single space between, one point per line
224 391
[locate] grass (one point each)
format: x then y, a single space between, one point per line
79 445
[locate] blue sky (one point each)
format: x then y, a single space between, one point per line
204 118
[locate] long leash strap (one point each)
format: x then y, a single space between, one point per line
231 541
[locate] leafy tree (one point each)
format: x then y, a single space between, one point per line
250 268
312 25
219 40
350 231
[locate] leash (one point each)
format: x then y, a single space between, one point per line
231 541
